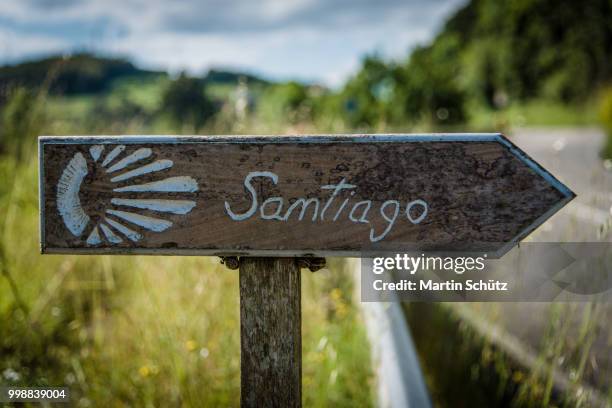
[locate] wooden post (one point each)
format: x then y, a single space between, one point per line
270 332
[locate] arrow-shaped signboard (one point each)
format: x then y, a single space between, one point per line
290 196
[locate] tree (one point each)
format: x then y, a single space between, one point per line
367 94
285 103
186 103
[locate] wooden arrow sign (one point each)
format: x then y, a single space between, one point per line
290 196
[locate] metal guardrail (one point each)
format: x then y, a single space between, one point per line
400 381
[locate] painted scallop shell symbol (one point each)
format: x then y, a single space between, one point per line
113 230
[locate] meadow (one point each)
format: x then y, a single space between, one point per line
146 331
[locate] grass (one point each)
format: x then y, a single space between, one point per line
458 365
145 92
149 331
534 113
468 367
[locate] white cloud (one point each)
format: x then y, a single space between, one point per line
306 39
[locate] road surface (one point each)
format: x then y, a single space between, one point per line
572 155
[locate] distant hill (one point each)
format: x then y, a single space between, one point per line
88 74
232 77
76 74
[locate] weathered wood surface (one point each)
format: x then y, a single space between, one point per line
270 333
407 191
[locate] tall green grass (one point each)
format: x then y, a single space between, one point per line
466 364
605 117
149 331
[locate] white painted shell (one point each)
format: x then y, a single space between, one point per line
119 222
68 202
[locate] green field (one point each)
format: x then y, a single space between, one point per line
146 331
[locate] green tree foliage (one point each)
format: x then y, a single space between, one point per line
186 102
429 88
423 89
366 96
491 53
555 49
287 103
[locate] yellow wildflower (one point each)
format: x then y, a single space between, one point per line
191 345
144 371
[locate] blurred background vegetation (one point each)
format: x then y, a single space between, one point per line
158 331
493 65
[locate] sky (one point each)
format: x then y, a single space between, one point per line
310 40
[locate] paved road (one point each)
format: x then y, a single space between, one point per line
573 156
